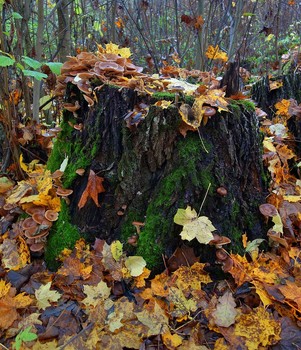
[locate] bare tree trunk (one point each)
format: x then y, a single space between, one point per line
63 29
39 51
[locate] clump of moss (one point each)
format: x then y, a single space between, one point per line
63 235
247 105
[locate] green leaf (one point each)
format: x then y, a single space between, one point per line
27 335
31 62
36 75
16 15
43 100
6 61
253 246
55 67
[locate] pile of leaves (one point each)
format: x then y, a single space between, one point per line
101 299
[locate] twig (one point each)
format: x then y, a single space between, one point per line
75 336
200 136
3 347
201 207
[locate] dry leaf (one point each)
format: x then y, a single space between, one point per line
225 313
93 188
44 296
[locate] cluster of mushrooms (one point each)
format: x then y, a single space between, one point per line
36 227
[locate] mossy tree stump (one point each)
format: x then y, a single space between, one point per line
290 88
152 170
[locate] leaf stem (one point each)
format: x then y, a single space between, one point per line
200 136
206 194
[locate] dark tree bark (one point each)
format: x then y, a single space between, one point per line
152 170
290 89
231 79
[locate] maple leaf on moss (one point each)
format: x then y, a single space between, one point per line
93 188
200 228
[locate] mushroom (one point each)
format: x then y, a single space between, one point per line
51 215
57 174
133 240
35 210
222 191
138 226
219 241
221 254
64 192
207 112
267 209
72 107
37 247
38 218
28 223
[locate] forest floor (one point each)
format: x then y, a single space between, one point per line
99 298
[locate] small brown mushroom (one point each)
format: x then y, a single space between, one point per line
64 192
219 241
35 210
38 218
138 226
57 174
209 111
267 209
51 215
37 247
133 240
28 223
228 264
221 254
222 191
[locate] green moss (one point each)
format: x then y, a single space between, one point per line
236 243
68 145
236 105
63 235
168 96
186 172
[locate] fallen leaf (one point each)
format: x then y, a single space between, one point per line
116 250
225 313
45 296
135 264
96 293
93 188
200 228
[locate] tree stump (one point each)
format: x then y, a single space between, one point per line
150 170
290 88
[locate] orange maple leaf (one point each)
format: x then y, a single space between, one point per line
94 187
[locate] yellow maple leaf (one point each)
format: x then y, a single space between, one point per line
44 296
4 288
96 293
215 53
258 328
282 107
113 48
200 228
171 341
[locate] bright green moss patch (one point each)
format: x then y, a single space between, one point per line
235 105
63 235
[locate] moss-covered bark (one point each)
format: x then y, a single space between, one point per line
150 171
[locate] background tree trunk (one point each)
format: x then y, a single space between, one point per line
152 170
